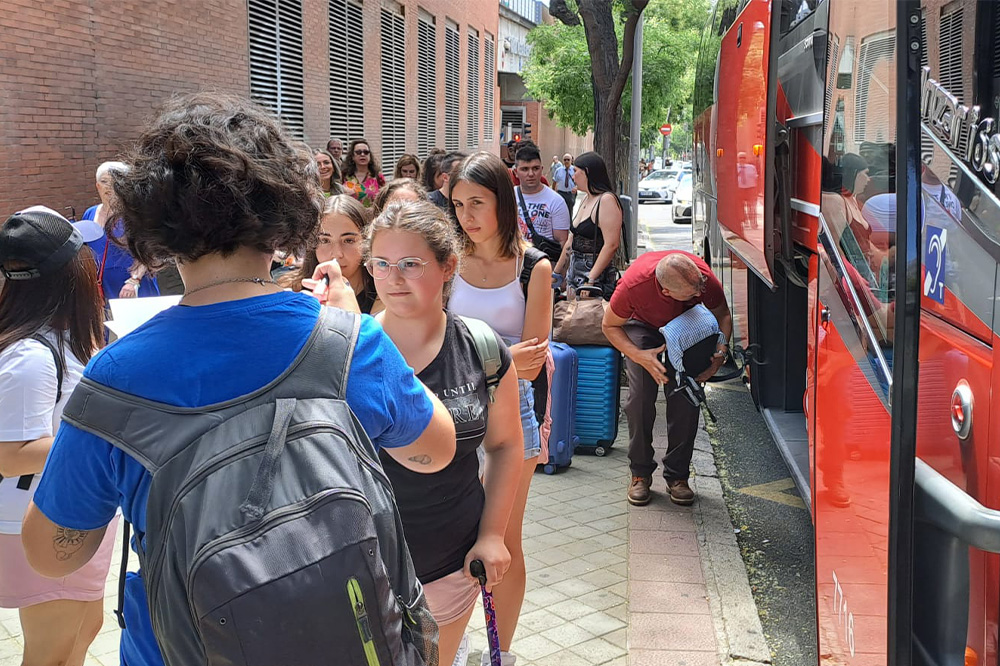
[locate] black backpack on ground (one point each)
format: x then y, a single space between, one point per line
273 535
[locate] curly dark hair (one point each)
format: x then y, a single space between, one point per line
350 167
214 173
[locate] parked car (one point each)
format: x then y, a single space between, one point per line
658 186
682 200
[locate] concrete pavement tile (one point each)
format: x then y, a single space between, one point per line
567 634
582 548
572 609
603 558
557 523
668 568
581 532
552 556
553 539
678 522
602 578
620 661
537 514
574 587
607 524
662 631
532 529
545 597
655 597
671 658
673 543
538 621
105 644
11 649
577 566
621 568
619 612
608 541
533 648
600 623
601 599
618 637
547 576
644 518
598 650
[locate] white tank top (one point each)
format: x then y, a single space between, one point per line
500 307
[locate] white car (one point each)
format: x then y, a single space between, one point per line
659 185
682 200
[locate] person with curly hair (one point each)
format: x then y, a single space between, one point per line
362 178
216 184
408 166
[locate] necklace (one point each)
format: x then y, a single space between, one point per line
254 280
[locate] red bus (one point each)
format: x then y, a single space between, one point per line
846 170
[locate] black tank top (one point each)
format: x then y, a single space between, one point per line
587 236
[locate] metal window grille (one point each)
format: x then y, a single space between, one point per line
451 83
347 77
950 43
393 89
472 108
426 86
489 84
276 81
874 50
831 77
923 38
514 118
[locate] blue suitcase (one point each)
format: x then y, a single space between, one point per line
562 439
598 392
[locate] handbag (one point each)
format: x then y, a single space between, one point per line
578 321
551 248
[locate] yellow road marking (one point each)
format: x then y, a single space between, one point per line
774 491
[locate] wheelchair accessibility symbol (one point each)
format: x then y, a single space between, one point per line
935 257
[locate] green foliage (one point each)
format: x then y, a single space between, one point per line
558 69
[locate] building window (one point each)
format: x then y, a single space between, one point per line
393 89
876 64
426 85
472 108
347 77
489 86
451 83
275 30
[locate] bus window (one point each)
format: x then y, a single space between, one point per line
794 12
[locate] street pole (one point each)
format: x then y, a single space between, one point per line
666 143
633 169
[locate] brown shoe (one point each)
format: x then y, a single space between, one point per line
680 492
638 490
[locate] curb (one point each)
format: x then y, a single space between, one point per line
738 630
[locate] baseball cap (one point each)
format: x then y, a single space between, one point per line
38 241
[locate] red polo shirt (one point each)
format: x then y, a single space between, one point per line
639 296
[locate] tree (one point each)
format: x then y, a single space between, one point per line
575 85
610 66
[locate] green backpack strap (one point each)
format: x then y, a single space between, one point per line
488 350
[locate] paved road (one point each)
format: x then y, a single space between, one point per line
658 231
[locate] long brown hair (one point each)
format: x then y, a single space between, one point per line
489 171
340 204
68 300
404 160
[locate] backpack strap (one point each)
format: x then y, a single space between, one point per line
488 351
59 360
532 255
120 611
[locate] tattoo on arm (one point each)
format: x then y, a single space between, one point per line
67 542
422 459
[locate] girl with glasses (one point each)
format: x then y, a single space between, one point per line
341 236
450 518
492 286
362 178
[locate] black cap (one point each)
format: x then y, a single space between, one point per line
38 241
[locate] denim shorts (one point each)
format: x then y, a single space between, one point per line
529 422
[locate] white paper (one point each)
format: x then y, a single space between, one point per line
128 314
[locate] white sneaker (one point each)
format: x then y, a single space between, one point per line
462 656
506 658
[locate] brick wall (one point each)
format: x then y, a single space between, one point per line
79 78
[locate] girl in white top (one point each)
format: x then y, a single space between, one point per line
488 288
50 325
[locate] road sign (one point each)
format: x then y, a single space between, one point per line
666 129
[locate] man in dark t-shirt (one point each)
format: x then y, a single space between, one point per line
657 287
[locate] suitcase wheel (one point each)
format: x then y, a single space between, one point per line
549 469
600 451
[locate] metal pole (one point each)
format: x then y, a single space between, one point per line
633 169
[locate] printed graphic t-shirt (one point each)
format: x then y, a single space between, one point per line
548 212
197 356
441 511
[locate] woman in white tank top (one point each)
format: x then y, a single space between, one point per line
489 288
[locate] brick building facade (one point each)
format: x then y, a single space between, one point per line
79 78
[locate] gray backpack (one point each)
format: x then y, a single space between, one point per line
272 534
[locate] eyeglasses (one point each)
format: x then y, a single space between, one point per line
410 268
362 152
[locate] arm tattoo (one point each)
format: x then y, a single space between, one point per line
67 542
422 459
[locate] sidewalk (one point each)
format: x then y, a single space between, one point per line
608 584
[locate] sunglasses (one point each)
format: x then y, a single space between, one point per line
410 268
362 152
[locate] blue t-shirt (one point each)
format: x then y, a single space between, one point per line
116 263
197 356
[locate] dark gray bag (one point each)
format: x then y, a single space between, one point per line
273 535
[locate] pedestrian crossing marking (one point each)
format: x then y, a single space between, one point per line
775 492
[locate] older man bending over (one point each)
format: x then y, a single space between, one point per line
657 287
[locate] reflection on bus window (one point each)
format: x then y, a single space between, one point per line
794 12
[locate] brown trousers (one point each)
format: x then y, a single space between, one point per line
640 409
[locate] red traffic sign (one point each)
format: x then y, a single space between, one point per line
666 129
